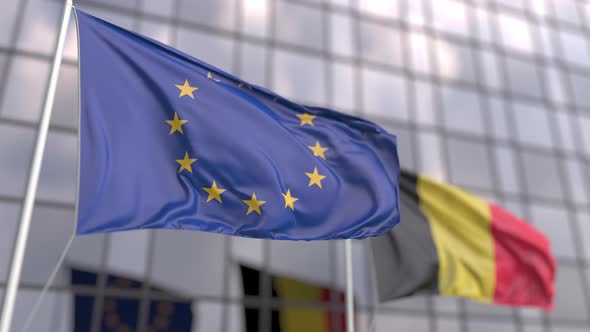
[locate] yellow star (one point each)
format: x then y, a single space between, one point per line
318 150
306 119
186 163
176 124
253 204
289 200
186 89
315 178
209 76
242 84
214 192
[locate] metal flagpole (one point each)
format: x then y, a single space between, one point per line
35 170
349 288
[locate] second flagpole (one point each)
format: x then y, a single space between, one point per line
33 180
349 287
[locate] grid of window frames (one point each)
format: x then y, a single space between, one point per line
490 95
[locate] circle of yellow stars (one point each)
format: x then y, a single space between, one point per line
214 192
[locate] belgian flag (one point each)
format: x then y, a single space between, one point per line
294 318
450 242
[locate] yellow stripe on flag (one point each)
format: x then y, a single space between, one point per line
300 319
461 228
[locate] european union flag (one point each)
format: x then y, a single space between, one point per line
121 314
168 141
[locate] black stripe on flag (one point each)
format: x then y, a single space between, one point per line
406 261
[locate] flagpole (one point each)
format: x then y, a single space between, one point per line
349 288
29 201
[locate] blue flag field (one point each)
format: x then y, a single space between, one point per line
168 141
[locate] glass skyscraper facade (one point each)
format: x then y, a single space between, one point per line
490 95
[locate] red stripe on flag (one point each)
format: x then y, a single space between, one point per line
341 316
326 297
525 266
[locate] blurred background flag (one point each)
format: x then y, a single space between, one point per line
453 243
121 314
168 141
293 318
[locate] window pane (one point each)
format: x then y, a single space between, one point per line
53 313
584 234
157 7
415 302
499 116
541 176
506 169
215 50
255 17
10 215
384 95
424 103
431 162
489 62
450 16
8 21
470 165
405 146
381 44
567 11
300 77
462 110
547 48
40 26
490 325
299 25
420 52
343 87
515 33
566 133
384 322
29 73
16 149
181 257
455 62
483 25
208 316
478 308
577 178
253 64
342 37
128 253
555 85
555 224
50 230
516 4
532 124
415 12
581 86
155 30
58 173
569 301
388 8
65 106
218 13
584 127
305 261
447 325
523 77
575 48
